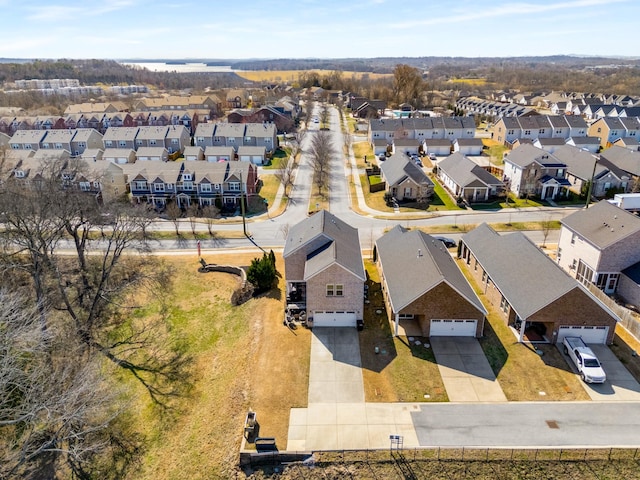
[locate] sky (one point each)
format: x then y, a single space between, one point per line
241 29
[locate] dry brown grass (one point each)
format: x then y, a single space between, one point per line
294 75
243 357
626 347
400 372
520 370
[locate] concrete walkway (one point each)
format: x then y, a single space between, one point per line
465 370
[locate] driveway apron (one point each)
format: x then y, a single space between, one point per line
465 371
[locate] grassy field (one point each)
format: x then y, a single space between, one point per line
234 368
294 75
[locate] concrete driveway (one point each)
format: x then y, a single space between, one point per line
465 370
620 385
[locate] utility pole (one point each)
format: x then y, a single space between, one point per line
590 189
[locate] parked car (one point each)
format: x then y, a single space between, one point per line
418 162
382 157
584 359
448 242
432 156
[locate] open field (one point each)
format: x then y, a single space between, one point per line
294 75
242 358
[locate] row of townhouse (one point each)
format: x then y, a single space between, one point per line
491 108
236 135
611 129
448 128
186 183
174 139
509 129
102 121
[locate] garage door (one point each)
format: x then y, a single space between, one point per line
256 159
453 328
334 319
588 334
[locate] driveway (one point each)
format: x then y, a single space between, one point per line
465 371
620 385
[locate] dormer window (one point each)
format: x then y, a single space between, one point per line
19 174
187 177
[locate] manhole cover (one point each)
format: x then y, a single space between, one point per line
552 424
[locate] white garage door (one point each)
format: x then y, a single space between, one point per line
588 334
453 328
256 159
334 319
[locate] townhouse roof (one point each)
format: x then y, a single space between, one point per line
92 154
207 172
192 150
398 167
414 263
469 142
150 152
229 130
465 172
205 130
152 132
585 140
527 278
335 242
83 134
602 224
219 150
28 136
251 150
260 130
167 172
50 154
59 136
120 133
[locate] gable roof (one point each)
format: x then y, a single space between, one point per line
580 163
623 158
398 167
464 172
526 154
414 262
326 229
603 224
505 258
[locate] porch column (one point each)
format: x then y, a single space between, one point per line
523 326
395 334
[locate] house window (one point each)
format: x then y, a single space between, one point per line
584 274
216 186
405 316
122 143
108 143
247 139
541 131
19 174
330 290
174 141
96 184
484 277
504 305
231 140
139 143
140 185
189 185
205 187
200 139
527 132
187 176
152 142
45 145
560 172
158 187
339 290
170 186
85 186
573 239
234 186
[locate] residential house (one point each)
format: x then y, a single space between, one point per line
549 144
583 167
105 180
610 129
85 138
241 181
438 146
177 139
598 243
121 137
324 271
507 130
284 122
202 183
423 285
630 143
404 180
260 135
465 179
151 136
96 107
539 301
408 146
27 139
237 98
203 137
530 171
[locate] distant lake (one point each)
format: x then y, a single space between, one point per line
185 67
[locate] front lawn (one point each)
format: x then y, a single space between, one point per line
524 374
243 357
400 371
360 149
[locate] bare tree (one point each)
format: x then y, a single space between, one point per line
192 213
284 174
174 213
321 151
210 213
324 114
407 85
546 225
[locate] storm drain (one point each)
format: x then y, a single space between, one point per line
552 424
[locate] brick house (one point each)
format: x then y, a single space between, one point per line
405 180
421 283
324 271
532 291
